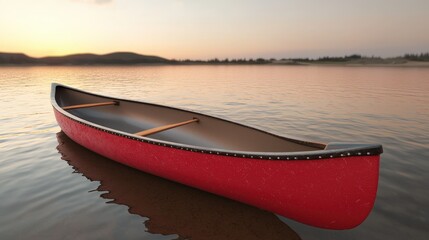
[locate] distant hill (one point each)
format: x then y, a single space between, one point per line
117 58
16 58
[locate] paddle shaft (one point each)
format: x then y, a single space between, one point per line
166 127
90 105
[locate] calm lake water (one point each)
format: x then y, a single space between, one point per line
52 188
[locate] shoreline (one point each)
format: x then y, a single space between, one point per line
135 59
351 64
414 64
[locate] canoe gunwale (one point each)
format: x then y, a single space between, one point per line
323 154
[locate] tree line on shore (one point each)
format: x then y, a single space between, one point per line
417 57
347 58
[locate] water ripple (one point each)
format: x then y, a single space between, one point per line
49 199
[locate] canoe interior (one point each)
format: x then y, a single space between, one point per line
209 132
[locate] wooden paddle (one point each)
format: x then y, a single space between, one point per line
165 127
91 105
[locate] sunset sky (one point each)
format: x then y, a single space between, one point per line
202 29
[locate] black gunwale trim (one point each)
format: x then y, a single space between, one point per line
365 150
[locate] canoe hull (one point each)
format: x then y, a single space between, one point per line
336 193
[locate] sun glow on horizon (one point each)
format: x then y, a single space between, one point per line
225 29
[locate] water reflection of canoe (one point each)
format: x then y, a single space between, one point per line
173 208
329 186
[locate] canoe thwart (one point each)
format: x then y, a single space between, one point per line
165 127
91 105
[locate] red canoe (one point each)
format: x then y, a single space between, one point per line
329 186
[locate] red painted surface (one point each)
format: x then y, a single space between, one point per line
334 193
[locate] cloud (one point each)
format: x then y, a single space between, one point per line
102 1
99 2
